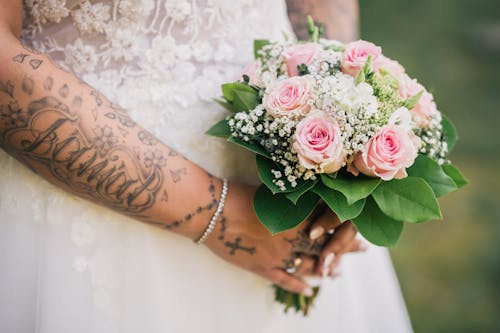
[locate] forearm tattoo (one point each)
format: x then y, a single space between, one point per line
339 17
90 158
198 210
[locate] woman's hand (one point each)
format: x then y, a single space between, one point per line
242 240
343 240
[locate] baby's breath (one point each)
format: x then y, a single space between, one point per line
433 143
361 110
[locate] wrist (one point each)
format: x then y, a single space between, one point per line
238 216
200 218
217 214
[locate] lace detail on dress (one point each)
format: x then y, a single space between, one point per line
172 32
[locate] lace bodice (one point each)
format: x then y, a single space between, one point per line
163 60
151 34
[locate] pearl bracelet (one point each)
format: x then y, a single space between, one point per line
215 217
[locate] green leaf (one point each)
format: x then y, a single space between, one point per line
277 213
412 101
377 227
354 189
360 77
225 105
449 132
249 145
258 44
409 199
364 72
221 129
338 203
228 90
455 174
300 190
429 170
244 100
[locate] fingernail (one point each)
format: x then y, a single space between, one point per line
363 246
326 264
316 232
331 231
307 292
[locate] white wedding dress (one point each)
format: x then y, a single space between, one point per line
67 265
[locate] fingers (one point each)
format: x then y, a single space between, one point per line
323 224
357 245
340 243
290 282
306 266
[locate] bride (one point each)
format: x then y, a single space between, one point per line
69 265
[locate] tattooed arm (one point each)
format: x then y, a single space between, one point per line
71 135
339 17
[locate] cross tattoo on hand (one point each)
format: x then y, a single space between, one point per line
235 246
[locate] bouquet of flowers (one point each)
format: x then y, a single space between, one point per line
343 124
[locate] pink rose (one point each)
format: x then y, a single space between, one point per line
391 66
387 154
251 71
319 143
356 54
289 97
299 54
425 108
409 87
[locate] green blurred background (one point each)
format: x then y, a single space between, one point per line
450 270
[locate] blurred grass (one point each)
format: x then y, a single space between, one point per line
450 270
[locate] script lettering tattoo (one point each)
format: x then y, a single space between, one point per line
236 245
47 136
340 17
